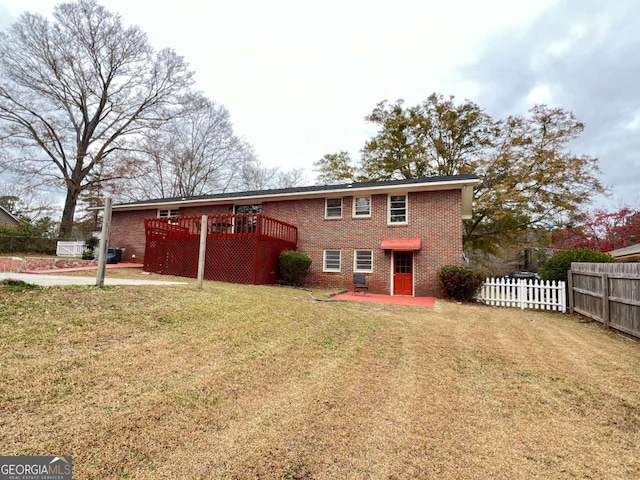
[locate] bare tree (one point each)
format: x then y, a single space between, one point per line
196 153
73 92
256 176
28 202
295 177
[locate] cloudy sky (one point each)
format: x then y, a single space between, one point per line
298 78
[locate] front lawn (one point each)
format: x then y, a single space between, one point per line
262 382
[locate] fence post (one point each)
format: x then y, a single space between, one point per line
570 290
522 292
562 295
203 249
605 300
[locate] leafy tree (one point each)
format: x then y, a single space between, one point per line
601 230
74 90
436 137
557 267
42 227
528 176
335 167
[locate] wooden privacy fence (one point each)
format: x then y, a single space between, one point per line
511 292
608 293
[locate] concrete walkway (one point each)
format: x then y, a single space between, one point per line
49 280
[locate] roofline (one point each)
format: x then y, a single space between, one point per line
263 195
10 214
625 252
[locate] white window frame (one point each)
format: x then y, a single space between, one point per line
324 261
170 212
326 209
406 209
355 260
355 211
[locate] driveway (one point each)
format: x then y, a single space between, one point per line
61 280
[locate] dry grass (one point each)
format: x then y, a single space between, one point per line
261 382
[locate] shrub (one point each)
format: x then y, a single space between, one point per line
294 267
92 243
18 285
556 267
460 283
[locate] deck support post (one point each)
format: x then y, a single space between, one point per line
203 249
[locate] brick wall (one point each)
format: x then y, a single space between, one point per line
208 210
127 232
433 216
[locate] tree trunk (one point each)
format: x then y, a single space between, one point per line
66 225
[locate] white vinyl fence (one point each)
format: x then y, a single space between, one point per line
510 292
70 249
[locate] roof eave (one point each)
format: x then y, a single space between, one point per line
463 184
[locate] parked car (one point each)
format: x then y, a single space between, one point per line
523 275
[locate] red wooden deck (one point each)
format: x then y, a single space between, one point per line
241 248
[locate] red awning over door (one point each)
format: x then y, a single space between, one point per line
401 244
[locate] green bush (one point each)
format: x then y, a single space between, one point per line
460 283
556 267
18 285
90 246
294 267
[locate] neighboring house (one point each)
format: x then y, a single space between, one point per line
7 219
398 232
627 254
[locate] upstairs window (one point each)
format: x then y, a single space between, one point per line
361 207
246 223
331 261
255 208
333 208
397 209
168 213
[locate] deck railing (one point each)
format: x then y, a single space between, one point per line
245 224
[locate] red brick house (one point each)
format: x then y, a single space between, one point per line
397 232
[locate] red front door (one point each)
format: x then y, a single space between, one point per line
403 273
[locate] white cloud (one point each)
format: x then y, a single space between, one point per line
540 94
